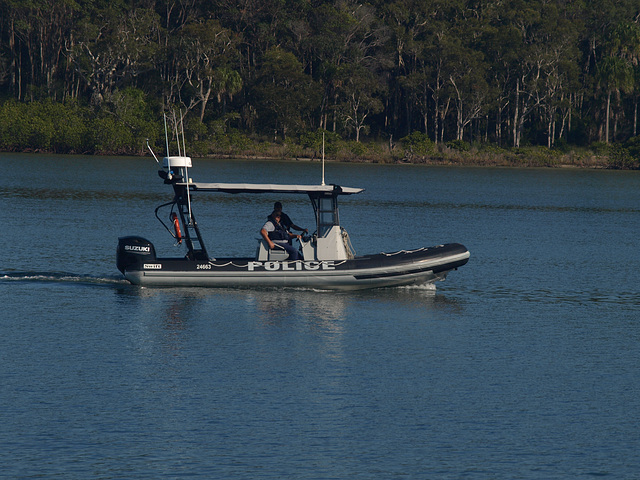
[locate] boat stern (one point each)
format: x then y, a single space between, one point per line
133 253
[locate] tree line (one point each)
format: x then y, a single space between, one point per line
96 75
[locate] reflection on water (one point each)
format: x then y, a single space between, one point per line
174 313
274 305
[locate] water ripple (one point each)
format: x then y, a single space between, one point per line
66 194
486 206
564 297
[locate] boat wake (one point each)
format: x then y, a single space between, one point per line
424 287
61 277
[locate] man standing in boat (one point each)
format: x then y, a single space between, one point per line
286 221
274 232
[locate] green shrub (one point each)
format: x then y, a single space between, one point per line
357 148
45 125
70 134
134 113
110 135
459 145
312 140
25 126
40 131
621 158
633 146
418 143
601 148
121 127
537 156
561 145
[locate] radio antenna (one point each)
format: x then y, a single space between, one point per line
154 155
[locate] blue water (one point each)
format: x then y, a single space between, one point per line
523 364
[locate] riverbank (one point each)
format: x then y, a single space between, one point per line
49 127
600 156
415 149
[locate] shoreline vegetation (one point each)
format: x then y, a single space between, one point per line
69 128
604 156
600 157
526 157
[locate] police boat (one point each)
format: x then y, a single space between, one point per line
327 260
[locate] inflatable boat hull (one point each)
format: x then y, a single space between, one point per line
137 261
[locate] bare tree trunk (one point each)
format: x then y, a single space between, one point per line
436 113
425 115
570 113
635 116
606 134
335 103
205 94
516 120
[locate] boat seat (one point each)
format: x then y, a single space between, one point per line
265 254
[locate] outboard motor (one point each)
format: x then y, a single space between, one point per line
134 251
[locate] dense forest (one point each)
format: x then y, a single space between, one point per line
406 76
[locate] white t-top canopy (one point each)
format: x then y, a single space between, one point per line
271 188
